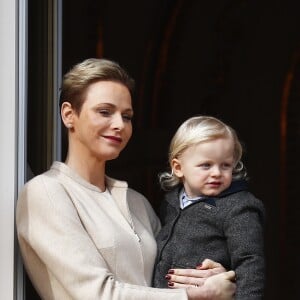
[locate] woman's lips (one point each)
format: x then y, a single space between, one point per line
113 138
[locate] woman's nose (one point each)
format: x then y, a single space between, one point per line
118 122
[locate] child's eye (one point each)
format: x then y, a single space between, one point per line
205 166
226 166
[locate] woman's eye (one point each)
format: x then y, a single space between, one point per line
104 112
127 118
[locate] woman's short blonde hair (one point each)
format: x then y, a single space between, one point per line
197 130
81 76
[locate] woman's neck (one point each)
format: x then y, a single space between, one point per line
92 170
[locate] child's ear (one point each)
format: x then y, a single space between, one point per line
176 167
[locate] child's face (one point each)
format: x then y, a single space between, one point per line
206 168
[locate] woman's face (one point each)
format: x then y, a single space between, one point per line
103 126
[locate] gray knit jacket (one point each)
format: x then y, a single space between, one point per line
227 229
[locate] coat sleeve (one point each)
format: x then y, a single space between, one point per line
244 230
60 257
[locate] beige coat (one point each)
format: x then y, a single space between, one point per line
77 243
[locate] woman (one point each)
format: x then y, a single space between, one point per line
82 234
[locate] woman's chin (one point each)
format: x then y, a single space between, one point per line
113 156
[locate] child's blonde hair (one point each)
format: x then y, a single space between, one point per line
197 130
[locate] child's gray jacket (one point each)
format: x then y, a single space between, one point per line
227 229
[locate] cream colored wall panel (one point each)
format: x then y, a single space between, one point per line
8 178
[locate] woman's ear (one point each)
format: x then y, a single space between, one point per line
67 114
176 167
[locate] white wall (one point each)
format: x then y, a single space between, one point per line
8 137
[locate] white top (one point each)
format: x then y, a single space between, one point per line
80 243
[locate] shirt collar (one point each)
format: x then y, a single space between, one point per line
186 201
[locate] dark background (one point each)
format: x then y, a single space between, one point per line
238 60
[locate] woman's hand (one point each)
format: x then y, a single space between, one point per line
210 281
217 287
183 278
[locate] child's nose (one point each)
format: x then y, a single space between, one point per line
216 171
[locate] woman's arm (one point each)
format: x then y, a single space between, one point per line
63 261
